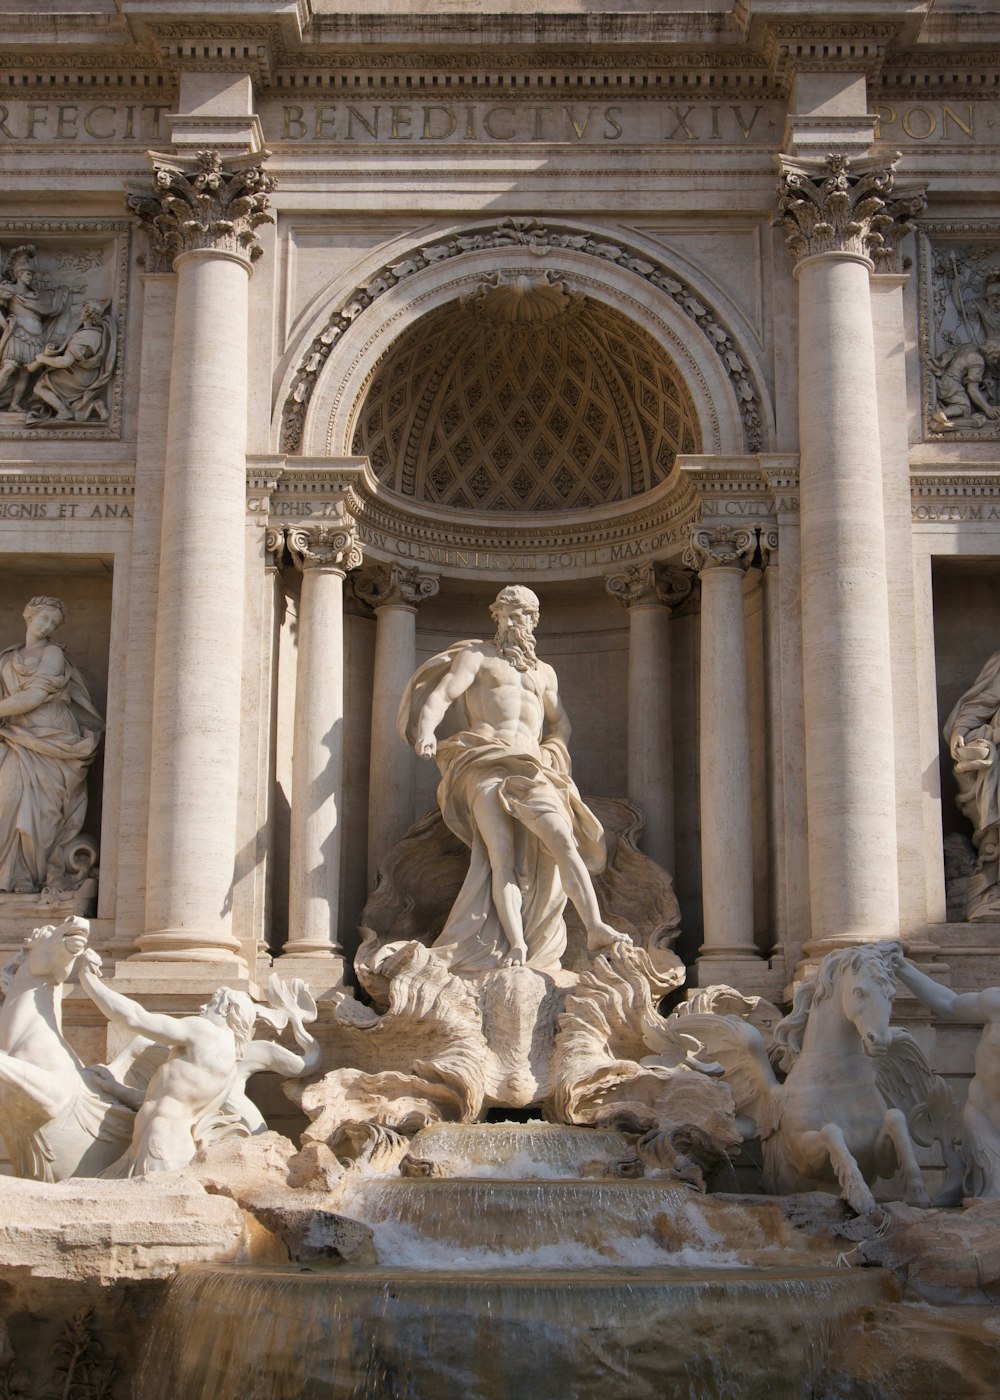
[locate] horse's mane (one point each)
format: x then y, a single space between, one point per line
789 1031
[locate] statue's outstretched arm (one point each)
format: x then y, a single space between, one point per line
949 1005
127 1012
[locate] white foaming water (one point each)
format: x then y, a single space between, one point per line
402 1247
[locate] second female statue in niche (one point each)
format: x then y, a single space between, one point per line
49 734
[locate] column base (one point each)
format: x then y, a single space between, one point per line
747 972
187 945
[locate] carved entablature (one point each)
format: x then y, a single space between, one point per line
197 203
63 301
330 547
845 205
960 330
720 547
970 497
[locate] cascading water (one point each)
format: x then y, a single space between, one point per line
491 1284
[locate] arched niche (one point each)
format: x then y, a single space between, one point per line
322 399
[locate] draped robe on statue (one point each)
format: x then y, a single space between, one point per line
529 785
44 757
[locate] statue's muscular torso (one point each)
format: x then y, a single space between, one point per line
504 702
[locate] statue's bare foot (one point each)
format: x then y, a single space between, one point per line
603 937
518 955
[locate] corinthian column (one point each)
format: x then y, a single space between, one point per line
325 553
395 594
648 592
841 219
721 556
201 219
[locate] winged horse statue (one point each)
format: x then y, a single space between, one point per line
857 1091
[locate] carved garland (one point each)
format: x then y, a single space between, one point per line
518 233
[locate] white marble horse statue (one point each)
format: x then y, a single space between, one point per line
58 1117
856 1091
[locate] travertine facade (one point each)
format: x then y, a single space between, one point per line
319 326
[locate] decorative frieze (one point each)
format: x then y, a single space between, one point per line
197 203
844 205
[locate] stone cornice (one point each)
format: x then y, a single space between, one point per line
955 495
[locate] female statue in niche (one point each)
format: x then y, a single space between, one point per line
49 733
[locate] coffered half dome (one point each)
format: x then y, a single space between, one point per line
525 396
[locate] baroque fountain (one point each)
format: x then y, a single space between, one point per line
519 1176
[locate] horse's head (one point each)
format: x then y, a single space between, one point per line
52 951
866 985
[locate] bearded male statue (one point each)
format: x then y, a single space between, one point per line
506 792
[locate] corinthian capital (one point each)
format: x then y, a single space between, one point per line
396 587
197 203
840 205
720 547
331 547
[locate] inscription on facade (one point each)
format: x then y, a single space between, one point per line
514 122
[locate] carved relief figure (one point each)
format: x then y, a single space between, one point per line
506 791
980 1145
964 340
961 391
76 374
49 734
26 314
972 731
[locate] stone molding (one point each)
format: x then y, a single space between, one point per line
198 204
955 496
840 204
326 548
720 547
814 46
537 239
396 587
650 584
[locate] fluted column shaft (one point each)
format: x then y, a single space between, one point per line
840 218
324 553
721 556
395 595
